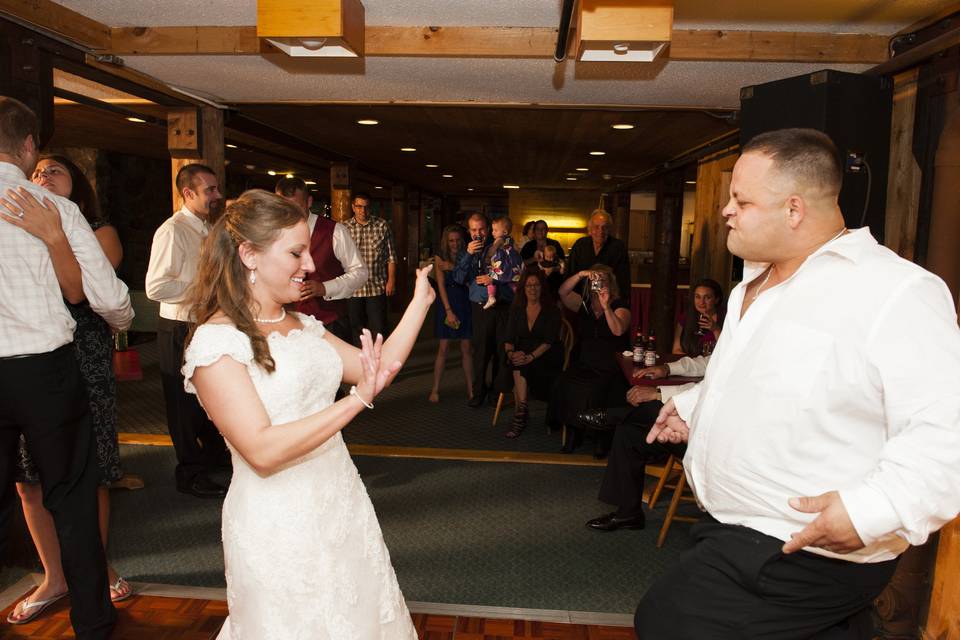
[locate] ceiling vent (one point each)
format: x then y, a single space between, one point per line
312 28
623 30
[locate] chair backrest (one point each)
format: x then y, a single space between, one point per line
566 337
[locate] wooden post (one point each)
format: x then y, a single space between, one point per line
666 258
340 192
709 257
942 256
404 235
943 618
204 145
903 182
621 215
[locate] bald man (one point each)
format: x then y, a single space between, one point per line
825 437
599 247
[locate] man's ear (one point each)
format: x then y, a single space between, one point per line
796 210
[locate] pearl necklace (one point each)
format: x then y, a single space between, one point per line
283 314
756 294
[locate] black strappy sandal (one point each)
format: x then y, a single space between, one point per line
520 416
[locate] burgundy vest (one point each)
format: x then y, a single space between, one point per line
327 268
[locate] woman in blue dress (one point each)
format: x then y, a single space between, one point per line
452 317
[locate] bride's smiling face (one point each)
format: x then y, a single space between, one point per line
283 265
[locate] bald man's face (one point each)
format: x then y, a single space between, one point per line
757 213
599 229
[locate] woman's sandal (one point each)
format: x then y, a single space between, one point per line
519 421
37 607
119 587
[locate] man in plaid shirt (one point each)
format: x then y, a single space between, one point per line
374 240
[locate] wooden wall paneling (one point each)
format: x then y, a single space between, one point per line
340 173
565 211
621 215
709 257
943 618
666 257
943 257
212 150
903 184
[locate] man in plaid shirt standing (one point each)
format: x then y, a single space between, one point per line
374 240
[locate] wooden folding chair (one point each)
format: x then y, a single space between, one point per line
673 470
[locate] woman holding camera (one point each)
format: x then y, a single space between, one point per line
593 379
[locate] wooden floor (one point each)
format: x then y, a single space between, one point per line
163 618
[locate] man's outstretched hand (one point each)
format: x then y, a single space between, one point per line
831 530
669 426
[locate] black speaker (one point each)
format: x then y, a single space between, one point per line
854 110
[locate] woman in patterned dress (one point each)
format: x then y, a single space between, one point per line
93 342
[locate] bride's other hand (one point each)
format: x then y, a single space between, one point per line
423 291
374 374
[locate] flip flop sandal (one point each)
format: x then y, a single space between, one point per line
35 608
117 586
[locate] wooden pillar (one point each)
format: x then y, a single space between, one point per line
621 215
26 73
943 618
340 192
709 257
899 606
666 258
195 135
943 257
403 238
903 182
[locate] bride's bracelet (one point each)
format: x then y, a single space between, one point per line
354 393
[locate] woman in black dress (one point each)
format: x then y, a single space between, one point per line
593 379
532 345
93 341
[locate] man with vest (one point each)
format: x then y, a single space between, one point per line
339 269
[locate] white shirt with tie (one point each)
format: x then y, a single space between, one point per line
844 377
33 316
174 257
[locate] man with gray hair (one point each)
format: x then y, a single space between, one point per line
825 437
43 396
599 247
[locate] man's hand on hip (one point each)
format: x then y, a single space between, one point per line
669 426
832 530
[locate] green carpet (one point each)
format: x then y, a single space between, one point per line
497 534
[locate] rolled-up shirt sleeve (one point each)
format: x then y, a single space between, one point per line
105 292
354 271
914 350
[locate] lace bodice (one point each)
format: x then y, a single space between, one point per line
303 550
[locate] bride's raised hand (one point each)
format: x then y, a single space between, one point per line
374 373
423 291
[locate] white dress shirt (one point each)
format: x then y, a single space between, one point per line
844 377
33 316
687 367
345 250
174 258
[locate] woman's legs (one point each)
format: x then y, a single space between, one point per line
438 366
466 353
520 413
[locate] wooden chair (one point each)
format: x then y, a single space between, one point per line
566 339
672 471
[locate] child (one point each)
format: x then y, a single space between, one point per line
501 259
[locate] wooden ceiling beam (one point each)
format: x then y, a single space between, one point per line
60 21
515 42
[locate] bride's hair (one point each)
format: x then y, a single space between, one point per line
222 284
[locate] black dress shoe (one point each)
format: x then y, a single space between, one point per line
611 522
202 487
596 420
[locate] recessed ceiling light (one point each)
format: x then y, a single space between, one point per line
250 167
598 153
289 175
572 179
447 175
271 173
137 120
407 149
368 122
309 182
690 182
511 186
582 169
231 146
469 188
431 166
623 126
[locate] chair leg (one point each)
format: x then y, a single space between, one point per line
667 470
672 510
496 414
563 435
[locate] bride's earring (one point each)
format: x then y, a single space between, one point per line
253 276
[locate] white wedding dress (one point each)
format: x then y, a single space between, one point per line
303 551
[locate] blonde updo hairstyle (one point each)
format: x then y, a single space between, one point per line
222 282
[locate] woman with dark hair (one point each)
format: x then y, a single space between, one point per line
698 327
453 319
593 379
532 252
93 342
526 235
532 345
303 550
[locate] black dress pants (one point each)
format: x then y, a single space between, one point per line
623 478
196 441
368 312
735 583
44 398
489 331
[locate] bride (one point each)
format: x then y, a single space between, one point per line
303 550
